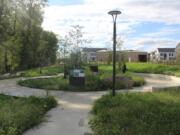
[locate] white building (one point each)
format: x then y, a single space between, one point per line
163 54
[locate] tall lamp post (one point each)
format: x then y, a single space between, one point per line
114 15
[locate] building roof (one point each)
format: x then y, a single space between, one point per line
124 51
166 49
137 51
93 49
103 51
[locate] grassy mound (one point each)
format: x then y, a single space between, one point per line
51 70
154 68
20 114
155 113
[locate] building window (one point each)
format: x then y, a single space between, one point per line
171 54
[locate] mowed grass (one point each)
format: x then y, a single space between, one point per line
156 113
20 114
154 68
45 71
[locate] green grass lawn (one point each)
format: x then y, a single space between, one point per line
154 68
102 81
20 114
156 113
51 70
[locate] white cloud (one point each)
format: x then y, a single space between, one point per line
151 43
92 14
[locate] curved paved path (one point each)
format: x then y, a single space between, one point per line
70 117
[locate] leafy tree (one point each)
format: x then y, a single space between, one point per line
30 20
23 42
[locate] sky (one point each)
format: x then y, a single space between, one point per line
143 25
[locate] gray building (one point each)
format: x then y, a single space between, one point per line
90 54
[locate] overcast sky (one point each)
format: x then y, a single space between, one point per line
143 24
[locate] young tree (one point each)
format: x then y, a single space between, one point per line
64 49
77 40
178 54
121 55
119 43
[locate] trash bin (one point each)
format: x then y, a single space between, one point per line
94 68
77 77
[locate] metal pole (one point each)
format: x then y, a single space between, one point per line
114 58
114 14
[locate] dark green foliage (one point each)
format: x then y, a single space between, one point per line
155 113
23 42
20 114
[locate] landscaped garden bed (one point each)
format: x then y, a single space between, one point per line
156 113
19 114
99 82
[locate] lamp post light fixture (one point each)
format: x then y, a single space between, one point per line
114 15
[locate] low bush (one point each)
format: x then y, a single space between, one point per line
137 80
122 82
20 114
155 113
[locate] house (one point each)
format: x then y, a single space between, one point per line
177 48
163 54
127 55
90 54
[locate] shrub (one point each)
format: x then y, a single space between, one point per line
137 80
122 82
20 114
155 113
93 82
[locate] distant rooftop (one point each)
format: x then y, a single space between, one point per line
136 51
133 51
93 49
166 49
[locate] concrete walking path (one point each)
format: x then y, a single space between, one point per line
71 115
